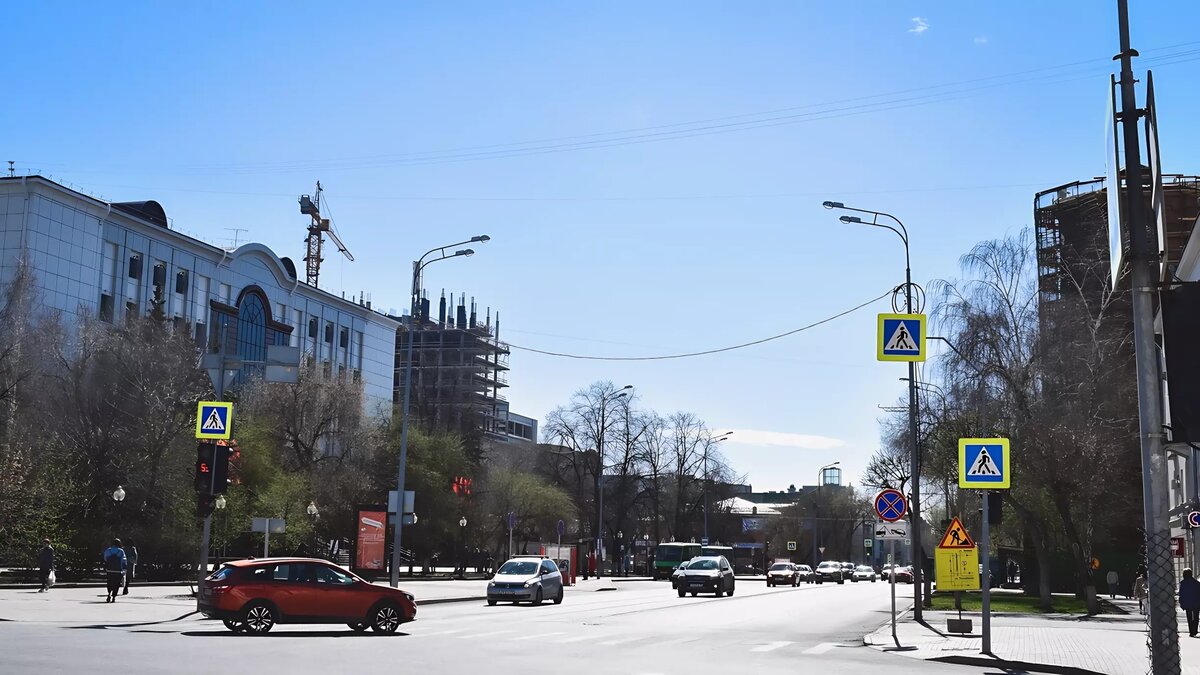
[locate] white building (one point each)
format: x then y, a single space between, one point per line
108 260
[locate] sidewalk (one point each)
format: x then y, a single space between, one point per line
148 604
1112 644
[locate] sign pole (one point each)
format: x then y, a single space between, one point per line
985 582
892 573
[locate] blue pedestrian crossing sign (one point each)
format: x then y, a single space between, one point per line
983 463
214 420
901 337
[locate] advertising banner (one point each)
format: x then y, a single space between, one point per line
370 540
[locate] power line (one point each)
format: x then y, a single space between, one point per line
707 351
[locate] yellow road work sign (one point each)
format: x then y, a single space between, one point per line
957 569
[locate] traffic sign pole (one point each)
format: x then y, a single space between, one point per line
892 574
985 583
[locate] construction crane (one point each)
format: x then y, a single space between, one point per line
312 260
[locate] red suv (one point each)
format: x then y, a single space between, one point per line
254 595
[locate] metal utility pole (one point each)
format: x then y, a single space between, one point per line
1164 637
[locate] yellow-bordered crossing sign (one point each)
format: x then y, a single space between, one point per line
214 420
901 337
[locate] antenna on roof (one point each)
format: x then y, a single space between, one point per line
11 170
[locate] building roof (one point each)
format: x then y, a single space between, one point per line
745 507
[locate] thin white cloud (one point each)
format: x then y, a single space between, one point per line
784 440
981 40
920 25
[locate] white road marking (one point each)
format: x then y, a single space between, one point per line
771 646
488 634
540 635
621 641
821 648
577 638
441 632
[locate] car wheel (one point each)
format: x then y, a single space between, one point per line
491 602
681 593
731 590
358 626
872 579
386 618
258 618
841 581
693 594
537 597
235 626
795 583
717 593
558 600
769 584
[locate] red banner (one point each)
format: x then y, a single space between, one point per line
371 545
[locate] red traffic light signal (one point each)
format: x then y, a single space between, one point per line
461 486
206 454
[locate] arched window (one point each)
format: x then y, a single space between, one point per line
252 328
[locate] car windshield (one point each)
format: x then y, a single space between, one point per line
669 553
518 567
703 565
779 567
827 565
684 565
864 568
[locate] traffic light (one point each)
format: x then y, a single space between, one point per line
220 477
206 454
995 507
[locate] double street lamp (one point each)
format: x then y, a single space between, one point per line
418 266
914 463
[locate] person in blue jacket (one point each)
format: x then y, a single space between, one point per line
114 568
1189 600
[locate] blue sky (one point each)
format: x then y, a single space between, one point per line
428 123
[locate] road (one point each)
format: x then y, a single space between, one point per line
640 627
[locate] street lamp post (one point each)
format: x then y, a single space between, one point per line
816 514
914 458
462 530
707 445
418 266
314 514
600 472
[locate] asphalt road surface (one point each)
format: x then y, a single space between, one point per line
641 628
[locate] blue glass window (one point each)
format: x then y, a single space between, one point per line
252 329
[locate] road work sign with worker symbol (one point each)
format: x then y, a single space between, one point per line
983 463
957 560
901 337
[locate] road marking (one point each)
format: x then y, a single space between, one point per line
770 646
821 648
621 641
488 634
441 632
540 635
577 638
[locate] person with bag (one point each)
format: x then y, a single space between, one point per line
131 554
1189 601
1139 591
46 565
114 568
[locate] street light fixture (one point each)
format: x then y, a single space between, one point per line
219 503
418 265
118 495
817 511
914 460
312 510
462 529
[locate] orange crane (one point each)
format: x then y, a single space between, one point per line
312 260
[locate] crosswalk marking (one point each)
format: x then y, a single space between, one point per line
771 646
488 634
538 636
821 648
443 632
577 638
621 641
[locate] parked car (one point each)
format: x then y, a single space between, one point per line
253 595
706 574
830 571
675 575
783 574
864 573
805 573
526 577
848 571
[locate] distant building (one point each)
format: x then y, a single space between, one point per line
110 260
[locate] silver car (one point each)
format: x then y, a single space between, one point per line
533 578
678 572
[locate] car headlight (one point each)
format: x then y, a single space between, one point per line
410 596
530 583
491 584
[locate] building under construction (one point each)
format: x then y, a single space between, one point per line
459 367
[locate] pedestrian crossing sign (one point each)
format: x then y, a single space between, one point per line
983 463
214 420
901 337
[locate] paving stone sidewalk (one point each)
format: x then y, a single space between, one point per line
1112 644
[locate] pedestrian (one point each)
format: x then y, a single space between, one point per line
131 555
1139 591
1189 600
1012 572
114 568
45 565
1113 578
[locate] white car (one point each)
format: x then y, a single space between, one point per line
678 572
864 573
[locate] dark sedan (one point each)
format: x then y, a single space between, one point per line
783 574
706 574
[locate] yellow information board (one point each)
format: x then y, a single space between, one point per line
957 569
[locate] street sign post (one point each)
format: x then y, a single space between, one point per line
897 531
512 523
890 505
901 337
268 526
791 546
214 420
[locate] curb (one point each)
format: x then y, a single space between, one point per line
443 601
96 584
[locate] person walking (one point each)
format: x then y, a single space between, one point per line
131 555
1189 600
1139 591
45 564
115 563
1113 578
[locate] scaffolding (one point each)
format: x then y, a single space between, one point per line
459 367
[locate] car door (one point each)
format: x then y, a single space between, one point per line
726 575
338 595
551 580
288 588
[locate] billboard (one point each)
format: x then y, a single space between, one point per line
370 538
